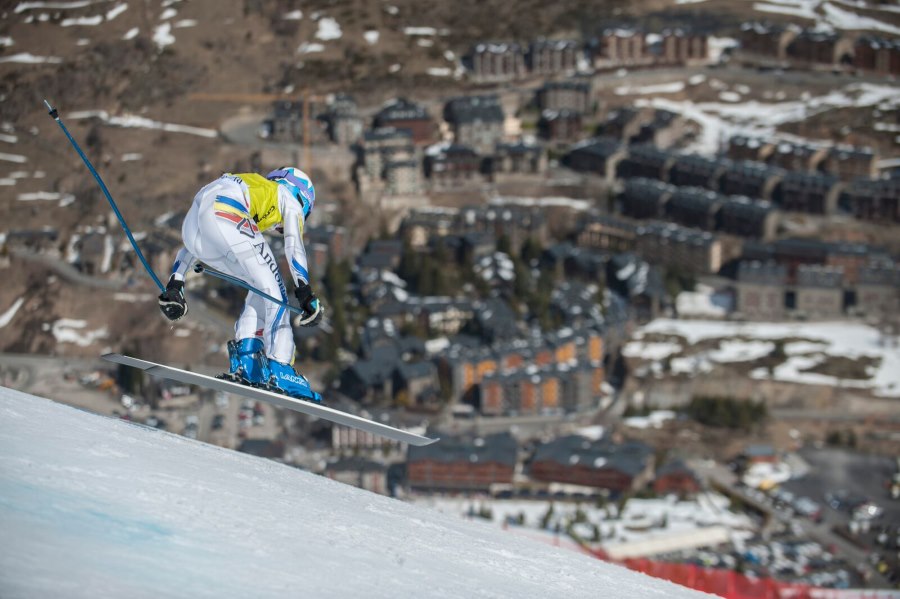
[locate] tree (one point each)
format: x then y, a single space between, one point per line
548 516
504 245
531 250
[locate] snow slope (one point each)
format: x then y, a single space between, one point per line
91 506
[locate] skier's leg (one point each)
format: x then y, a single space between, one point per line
278 336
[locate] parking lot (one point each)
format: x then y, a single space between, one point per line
835 470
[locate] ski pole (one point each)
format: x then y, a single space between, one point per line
202 268
55 115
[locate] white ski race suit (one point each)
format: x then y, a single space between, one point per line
223 229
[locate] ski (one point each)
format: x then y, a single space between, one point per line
283 401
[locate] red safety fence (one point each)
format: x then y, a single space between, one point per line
724 583
734 585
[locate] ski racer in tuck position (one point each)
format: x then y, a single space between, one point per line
223 229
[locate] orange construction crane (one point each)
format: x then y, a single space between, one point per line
248 98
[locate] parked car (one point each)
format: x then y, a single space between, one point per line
867 511
844 501
809 508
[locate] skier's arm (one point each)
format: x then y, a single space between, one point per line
183 261
294 251
295 254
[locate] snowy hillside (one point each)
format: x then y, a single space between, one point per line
91 506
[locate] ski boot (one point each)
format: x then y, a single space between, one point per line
283 379
247 363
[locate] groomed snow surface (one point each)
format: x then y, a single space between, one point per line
96 507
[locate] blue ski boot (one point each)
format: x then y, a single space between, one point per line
247 363
283 379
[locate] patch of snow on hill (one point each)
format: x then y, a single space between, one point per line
838 339
661 88
98 506
845 19
759 119
130 120
307 48
70 330
162 35
328 29
23 6
29 58
10 313
828 16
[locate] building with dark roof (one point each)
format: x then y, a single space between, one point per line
623 123
811 193
515 222
819 291
607 233
820 47
518 158
404 114
794 156
645 198
345 125
698 171
695 207
676 477
680 46
878 54
476 121
794 252
453 166
495 61
876 200
748 218
570 94
633 278
560 125
741 147
761 290
662 128
849 162
463 464
402 177
646 160
878 290
416 384
496 321
577 460
599 155
752 179
377 149
767 39
551 57
619 47
675 246
369 380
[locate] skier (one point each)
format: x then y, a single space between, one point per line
223 229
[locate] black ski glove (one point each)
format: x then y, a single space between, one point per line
172 302
310 304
